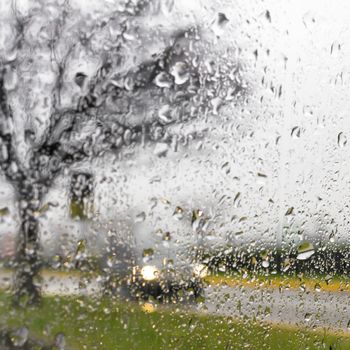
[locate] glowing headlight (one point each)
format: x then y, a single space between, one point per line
149 273
200 270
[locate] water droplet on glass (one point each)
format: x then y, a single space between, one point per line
163 80
140 217
80 79
60 341
296 131
180 72
219 24
4 153
161 149
127 136
30 249
81 246
10 79
199 222
265 264
305 251
129 83
178 213
167 6
328 279
166 236
342 140
11 55
216 104
268 15
148 307
307 317
148 252
164 114
236 200
20 336
309 20
110 261
289 211
286 265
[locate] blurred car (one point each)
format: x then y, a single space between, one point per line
132 269
183 283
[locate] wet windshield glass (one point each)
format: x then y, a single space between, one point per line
173 174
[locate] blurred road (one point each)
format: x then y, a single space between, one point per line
309 309
59 283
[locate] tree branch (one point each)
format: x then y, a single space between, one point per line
9 162
85 132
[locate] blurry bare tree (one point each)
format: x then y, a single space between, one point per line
75 86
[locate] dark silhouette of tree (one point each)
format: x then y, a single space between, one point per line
119 105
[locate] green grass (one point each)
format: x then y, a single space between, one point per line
105 323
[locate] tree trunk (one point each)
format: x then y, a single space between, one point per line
27 262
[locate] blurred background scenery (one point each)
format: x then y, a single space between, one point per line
170 152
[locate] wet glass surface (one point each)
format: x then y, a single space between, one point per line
173 174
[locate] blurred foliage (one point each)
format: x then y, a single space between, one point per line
77 210
330 260
4 211
148 252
